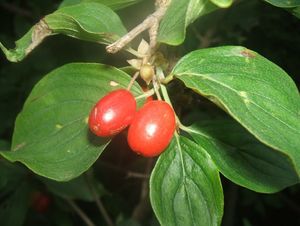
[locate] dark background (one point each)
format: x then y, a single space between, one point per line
270 31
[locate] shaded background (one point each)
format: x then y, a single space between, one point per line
270 31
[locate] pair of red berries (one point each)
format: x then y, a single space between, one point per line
151 128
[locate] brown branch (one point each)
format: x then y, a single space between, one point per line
99 203
80 213
138 175
136 74
151 21
129 173
143 205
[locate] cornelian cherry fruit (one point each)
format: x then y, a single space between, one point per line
152 128
112 113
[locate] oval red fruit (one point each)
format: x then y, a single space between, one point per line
112 113
152 128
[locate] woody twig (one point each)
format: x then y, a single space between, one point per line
151 23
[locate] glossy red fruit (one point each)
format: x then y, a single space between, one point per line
113 113
152 128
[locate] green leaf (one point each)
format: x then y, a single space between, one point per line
179 15
14 208
293 6
23 46
51 135
295 11
185 187
87 21
242 158
77 188
284 3
222 3
253 90
113 4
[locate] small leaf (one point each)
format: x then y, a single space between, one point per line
51 135
87 21
222 3
284 3
253 90
185 187
179 15
242 158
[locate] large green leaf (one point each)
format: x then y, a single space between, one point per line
179 15
87 21
113 4
242 158
256 92
185 187
51 136
222 3
284 3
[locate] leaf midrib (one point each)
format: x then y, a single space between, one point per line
184 174
237 92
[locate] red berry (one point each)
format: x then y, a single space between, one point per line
152 128
112 113
40 202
